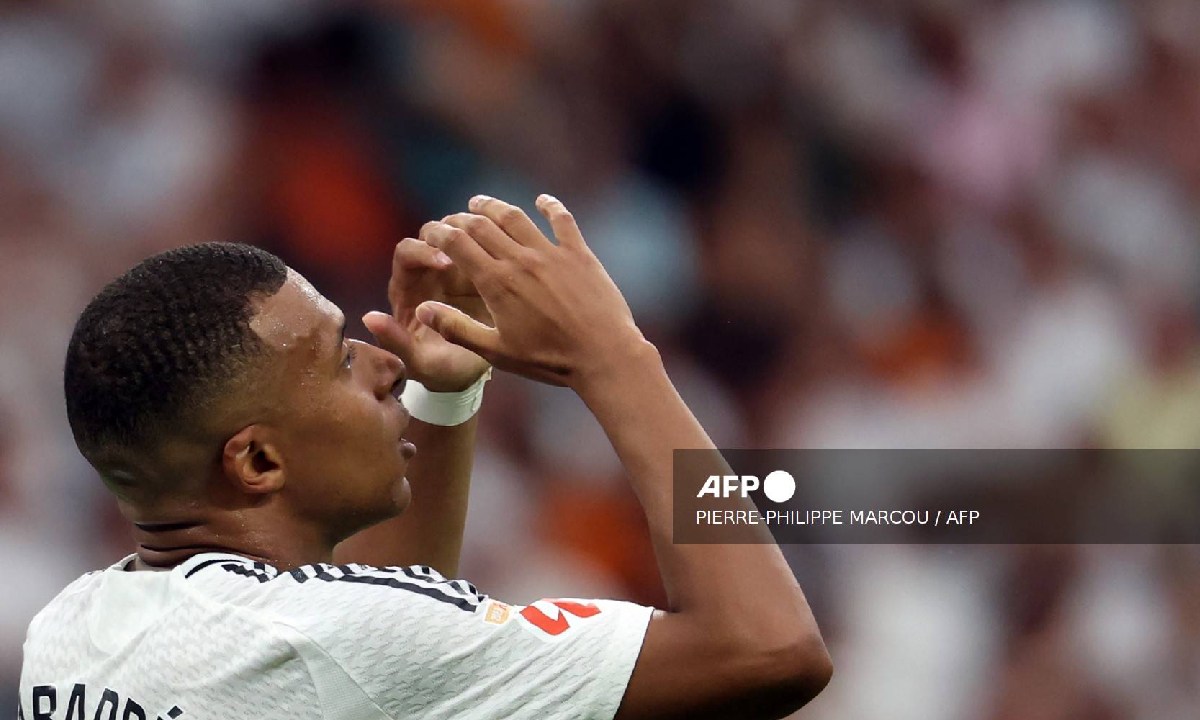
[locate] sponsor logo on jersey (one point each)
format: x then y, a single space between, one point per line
556 618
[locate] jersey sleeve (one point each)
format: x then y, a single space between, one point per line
419 645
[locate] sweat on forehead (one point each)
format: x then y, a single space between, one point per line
297 317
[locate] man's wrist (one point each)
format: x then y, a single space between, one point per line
628 362
445 409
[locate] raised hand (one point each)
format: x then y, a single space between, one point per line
558 316
422 273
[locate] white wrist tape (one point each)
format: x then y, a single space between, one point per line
443 408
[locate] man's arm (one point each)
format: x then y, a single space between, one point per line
738 636
430 532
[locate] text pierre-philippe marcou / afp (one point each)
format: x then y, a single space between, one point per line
779 487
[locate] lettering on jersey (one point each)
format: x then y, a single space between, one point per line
556 617
109 701
111 706
45 700
75 704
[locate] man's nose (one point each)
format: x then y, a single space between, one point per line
391 374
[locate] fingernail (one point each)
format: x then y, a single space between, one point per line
425 314
478 200
373 314
442 258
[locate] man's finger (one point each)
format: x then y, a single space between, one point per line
459 328
391 335
466 253
485 232
561 221
412 254
511 219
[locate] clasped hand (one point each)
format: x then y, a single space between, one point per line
487 286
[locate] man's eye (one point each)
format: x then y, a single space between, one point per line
351 353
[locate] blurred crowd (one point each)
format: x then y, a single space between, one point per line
846 223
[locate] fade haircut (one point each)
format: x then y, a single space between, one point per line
161 341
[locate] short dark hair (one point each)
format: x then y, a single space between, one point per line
162 339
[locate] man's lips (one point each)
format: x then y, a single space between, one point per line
407 449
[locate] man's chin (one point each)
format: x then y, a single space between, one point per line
401 495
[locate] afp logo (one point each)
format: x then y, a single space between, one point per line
779 486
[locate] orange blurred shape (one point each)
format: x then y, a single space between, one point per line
489 22
328 198
930 348
603 523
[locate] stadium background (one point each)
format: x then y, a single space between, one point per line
866 223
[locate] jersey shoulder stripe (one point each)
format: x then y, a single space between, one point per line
421 580
245 567
418 579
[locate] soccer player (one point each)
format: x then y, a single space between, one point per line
244 437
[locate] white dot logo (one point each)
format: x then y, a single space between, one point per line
779 486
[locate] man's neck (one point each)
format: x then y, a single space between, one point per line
164 546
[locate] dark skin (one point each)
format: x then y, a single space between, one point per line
309 443
431 533
325 410
737 638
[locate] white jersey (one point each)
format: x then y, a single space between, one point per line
222 637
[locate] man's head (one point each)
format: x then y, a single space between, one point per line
212 381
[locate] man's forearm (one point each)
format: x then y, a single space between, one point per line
430 531
646 420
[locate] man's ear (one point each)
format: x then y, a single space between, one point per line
253 462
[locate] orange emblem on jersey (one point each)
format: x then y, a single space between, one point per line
497 613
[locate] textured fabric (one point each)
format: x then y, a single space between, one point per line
224 637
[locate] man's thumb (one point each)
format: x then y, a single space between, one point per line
458 327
